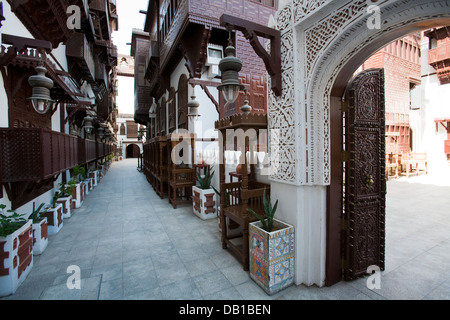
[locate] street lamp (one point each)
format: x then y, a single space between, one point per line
101 132
230 67
41 85
88 124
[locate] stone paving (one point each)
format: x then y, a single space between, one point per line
130 244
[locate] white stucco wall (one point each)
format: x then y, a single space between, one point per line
427 137
13 26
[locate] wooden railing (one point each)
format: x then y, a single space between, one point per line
30 154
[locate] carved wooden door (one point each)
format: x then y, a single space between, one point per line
365 184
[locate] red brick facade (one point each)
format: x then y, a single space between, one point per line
401 62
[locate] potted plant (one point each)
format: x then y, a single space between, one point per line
54 217
271 249
79 173
77 193
204 197
16 250
94 175
40 230
64 197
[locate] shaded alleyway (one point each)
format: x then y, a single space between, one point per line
130 244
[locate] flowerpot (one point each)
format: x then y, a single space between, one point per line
204 204
272 256
16 258
85 184
78 195
94 176
40 236
66 206
54 219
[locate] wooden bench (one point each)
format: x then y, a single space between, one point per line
413 162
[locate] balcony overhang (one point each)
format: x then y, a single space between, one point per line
80 55
53 28
28 53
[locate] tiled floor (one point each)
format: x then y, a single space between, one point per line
130 244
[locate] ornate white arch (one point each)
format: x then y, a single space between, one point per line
318 39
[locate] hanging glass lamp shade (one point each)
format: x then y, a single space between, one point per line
230 67
41 85
101 132
193 107
88 124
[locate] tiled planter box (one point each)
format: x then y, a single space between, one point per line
54 219
272 256
40 236
204 205
16 258
66 203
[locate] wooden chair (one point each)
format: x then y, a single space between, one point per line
162 164
182 177
237 197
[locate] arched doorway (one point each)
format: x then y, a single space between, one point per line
322 45
336 242
133 151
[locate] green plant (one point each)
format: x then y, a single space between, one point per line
267 223
71 185
205 183
79 173
9 224
36 214
227 195
55 198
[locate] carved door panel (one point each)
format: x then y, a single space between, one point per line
365 184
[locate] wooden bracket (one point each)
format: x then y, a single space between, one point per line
80 106
251 32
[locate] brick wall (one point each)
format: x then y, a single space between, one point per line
401 63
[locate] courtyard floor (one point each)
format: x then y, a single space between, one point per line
131 245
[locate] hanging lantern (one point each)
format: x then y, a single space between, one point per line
88 124
152 110
230 67
101 132
41 85
193 108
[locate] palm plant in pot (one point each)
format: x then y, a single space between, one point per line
204 204
271 249
16 236
40 230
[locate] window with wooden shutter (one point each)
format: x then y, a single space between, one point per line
172 111
183 102
132 130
